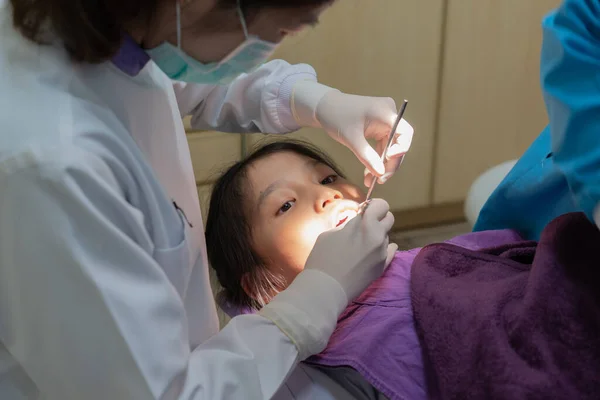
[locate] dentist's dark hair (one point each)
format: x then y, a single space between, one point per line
92 30
229 231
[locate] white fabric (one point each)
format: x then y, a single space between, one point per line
256 102
483 187
104 287
303 330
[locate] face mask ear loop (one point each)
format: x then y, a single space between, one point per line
178 22
242 18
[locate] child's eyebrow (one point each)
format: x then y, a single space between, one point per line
265 193
310 164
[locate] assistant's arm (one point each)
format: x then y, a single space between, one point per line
570 73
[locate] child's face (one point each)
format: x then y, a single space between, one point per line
293 200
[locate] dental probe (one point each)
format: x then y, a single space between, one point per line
363 205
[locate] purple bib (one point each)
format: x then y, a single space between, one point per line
376 335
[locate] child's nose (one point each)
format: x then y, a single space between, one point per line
327 198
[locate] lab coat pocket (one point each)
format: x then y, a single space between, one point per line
175 261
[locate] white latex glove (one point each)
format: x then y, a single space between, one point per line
357 253
343 262
351 120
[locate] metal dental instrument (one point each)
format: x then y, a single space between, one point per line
365 204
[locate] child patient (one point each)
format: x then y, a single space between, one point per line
283 196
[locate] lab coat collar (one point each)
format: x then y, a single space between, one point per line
130 58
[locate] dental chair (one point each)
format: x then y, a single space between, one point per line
482 189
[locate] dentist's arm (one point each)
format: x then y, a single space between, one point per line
254 102
280 98
89 314
570 72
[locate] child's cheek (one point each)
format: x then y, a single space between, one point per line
309 231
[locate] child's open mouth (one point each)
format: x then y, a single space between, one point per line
344 217
341 221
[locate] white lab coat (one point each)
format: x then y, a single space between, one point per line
104 288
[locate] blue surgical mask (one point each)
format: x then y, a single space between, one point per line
179 66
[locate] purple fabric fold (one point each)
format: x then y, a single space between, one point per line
517 321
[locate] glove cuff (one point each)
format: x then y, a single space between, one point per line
307 311
306 96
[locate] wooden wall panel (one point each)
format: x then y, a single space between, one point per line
379 48
491 104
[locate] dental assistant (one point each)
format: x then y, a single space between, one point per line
104 285
560 172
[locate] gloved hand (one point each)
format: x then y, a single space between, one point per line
357 253
351 120
342 264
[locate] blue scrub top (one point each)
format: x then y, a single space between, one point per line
532 194
560 172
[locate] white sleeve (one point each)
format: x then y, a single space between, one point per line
254 102
89 314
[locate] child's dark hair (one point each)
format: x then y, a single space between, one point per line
228 231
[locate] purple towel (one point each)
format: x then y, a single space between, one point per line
513 322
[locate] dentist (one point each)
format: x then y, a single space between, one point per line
104 286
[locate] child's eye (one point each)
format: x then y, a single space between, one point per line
329 180
285 207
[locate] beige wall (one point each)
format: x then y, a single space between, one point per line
469 69
491 105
